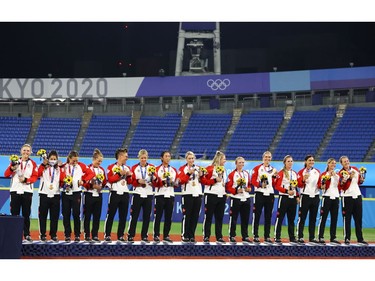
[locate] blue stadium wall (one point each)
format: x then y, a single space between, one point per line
368 189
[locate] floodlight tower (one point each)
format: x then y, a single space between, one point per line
198 49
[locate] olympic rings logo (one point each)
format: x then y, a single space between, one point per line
218 84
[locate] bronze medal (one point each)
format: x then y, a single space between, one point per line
51 187
123 182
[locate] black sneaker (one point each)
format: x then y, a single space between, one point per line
232 240
145 240
256 240
362 243
268 241
278 241
95 239
156 239
54 239
185 240
293 241
335 242
77 239
321 241
43 239
220 241
206 240
169 240
130 239
67 239
347 242
121 239
108 239
301 241
87 239
246 240
28 239
192 241
314 242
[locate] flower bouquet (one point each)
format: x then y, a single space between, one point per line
293 184
167 176
325 178
203 170
14 159
344 174
363 172
99 178
116 170
42 153
219 170
264 179
240 182
68 180
151 170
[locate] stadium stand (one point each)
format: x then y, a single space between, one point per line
14 133
106 133
304 133
354 134
204 133
155 134
57 133
254 134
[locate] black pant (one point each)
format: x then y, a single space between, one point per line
242 208
191 209
163 205
139 203
352 208
51 205
71 203
120 203
308 205
286 206
92 206
18 202
213 205
266 203
329 206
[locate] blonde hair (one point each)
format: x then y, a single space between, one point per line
97 153
189 153
218 156
267 152
27 145
286 174
329 162
342 157
142 152
238 158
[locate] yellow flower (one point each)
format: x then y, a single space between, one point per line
219 169
41 152
293 183
363 170
240 182
14 158
263 177
325 178
100 177
203 170
344 173
68 180
151 169
116 169
166 174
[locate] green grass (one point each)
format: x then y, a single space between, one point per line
368 233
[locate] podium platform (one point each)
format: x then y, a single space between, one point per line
11 229
198 250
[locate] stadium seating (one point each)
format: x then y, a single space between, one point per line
155 134
58 134
254 134
354 134
304 133
15 131
204 134
106 133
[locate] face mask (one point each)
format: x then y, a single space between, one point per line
52 162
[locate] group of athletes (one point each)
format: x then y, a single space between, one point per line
148 188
